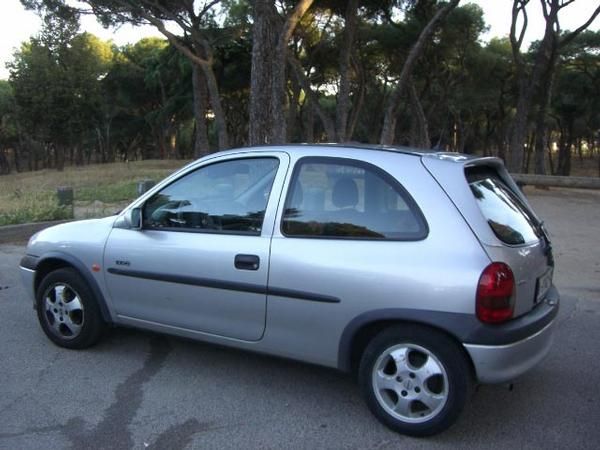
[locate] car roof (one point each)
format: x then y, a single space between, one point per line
304 149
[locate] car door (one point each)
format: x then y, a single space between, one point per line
200 260
349 236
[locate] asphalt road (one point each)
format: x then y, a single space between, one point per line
140 390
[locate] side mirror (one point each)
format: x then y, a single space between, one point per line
133 218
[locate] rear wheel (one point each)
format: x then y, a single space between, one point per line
68 311
415 380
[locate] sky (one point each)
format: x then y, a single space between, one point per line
18 25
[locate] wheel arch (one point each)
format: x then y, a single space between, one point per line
56 260
359 332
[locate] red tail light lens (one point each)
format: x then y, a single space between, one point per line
495 300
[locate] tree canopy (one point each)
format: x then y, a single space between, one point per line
235 72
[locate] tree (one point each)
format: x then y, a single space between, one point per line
194 22
447 92
271 36
55 79
539 79
389 122
576 106
8 128
235 72
343 103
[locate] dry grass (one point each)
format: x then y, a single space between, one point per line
30 196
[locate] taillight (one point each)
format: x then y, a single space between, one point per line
495 300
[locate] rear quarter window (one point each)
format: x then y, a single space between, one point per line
349 199
508 217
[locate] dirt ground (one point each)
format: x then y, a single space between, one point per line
572 217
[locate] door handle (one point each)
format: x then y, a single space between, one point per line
247 262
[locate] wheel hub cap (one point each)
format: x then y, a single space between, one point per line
63 311
410 383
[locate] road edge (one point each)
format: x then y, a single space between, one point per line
22 232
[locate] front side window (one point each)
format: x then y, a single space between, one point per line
229 196
342 198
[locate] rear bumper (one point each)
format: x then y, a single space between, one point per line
497 364
501 363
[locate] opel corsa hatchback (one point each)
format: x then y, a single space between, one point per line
421 272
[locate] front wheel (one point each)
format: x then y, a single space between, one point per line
68 310
415 380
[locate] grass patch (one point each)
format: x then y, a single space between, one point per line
31 196
37 207
122 191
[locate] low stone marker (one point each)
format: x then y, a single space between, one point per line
144 186
64 195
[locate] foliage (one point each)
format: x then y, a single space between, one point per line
74 99
29 207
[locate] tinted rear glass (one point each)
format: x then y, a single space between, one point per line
508 217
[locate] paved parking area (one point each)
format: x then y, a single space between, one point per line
140 390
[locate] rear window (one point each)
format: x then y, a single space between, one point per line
508 217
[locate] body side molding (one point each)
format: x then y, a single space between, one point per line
225 285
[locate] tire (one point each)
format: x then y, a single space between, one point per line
415 380
68 311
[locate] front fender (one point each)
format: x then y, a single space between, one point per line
53 258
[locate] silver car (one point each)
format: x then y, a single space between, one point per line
421 272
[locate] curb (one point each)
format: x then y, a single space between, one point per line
22 232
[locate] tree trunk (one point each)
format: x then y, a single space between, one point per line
519 132
541 132
530 148
60 157
109 145
313 98
4 165
388 131
278 126
527 83
217 108
564 151
292 114
461 134
20 144
358 104
309 122
201 145
551 161
580 149
30 154
422 133
343 98
264 40
279 64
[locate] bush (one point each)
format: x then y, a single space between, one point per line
34 207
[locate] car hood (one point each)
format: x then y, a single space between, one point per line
71 237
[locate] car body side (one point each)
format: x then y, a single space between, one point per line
431 281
